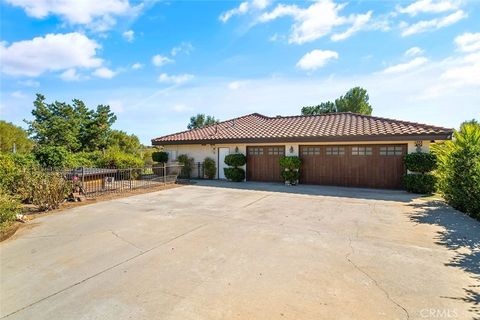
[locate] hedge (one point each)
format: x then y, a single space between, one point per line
209 168
234 174
235 160
458 170
419 183
420 162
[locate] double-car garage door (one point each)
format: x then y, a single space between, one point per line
373 166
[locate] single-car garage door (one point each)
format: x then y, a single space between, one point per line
263 163
372 166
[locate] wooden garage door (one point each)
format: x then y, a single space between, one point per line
263 163
372 166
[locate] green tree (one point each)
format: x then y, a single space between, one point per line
11 135
200 121
355 100
128 143
74 127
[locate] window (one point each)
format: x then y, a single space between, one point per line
391 151
310 151
335 151
172 155
361 151
276 151
255 151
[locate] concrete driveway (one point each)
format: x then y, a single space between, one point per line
217 250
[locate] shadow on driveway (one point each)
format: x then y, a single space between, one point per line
460 233
331 191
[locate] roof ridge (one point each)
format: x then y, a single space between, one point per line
211 125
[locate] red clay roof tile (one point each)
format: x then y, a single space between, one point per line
344 126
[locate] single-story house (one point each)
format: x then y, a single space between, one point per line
344 149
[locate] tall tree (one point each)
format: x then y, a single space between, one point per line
12 135
355 100
74 127
125 142
200 121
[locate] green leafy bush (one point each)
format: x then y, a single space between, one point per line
9 207
235 160
458 169
290 162
290 168
160 156
50 189
115 158
234 174
209 168
82 159
187 163
52 156
419 183
420 162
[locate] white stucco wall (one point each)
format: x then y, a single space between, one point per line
199 152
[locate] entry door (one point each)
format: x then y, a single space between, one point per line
222 153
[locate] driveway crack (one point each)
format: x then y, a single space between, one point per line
104 270
347 257
125 240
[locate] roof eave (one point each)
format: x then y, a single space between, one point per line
397 137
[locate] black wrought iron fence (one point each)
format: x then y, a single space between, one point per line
96 181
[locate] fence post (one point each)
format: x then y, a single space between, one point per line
83 178
164 173
130 177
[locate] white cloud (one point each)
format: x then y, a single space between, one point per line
95 14
358 23
429 6
184 47
29 83
175 79
53 52
413 52
465 72
70 75
468 42
243 8
407 66
129 35
104 73
433 24
316 59
17 95
137 66
159 60
181 108
235 85
317 20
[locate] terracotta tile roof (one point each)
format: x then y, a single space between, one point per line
343 126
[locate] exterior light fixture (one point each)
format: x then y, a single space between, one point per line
418 145
291 149
236 149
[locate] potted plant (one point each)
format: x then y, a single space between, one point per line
290 169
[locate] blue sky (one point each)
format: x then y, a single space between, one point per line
156 63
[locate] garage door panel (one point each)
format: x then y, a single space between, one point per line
374 166
263 163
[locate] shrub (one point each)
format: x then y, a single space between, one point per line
234 174
117 159
290 166
209 168
82 159
420 162
419 183
458 169
52 156
160 156
187 163
235 160
50 190
9 207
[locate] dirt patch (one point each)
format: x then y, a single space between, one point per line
31 212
